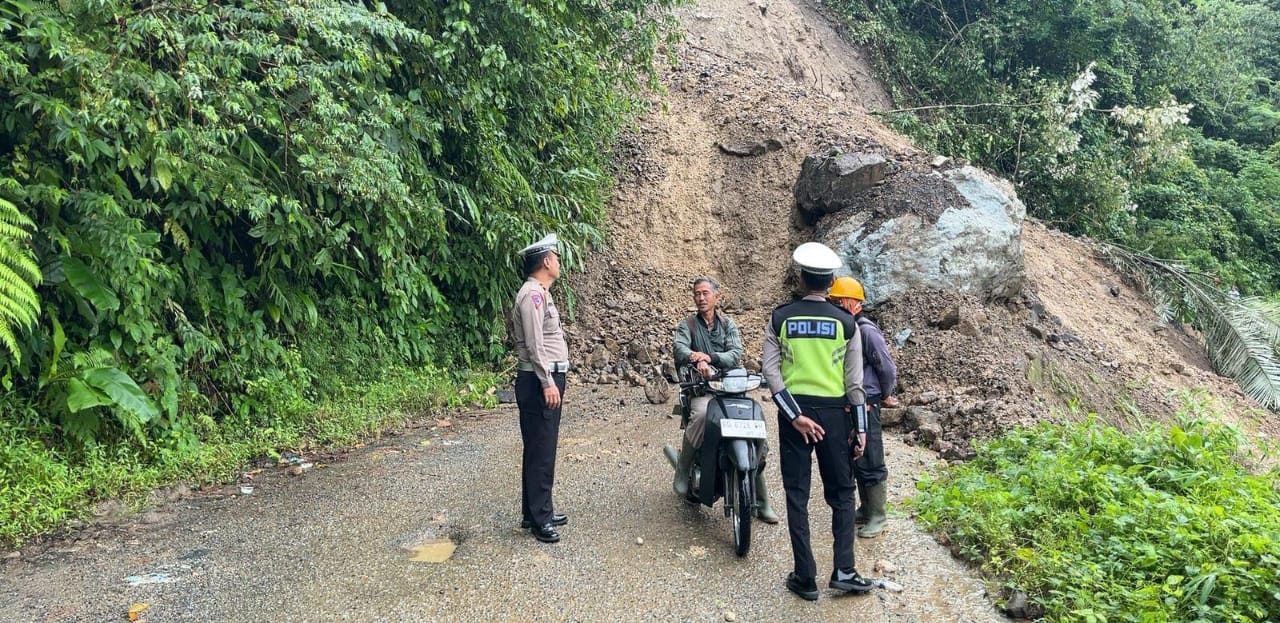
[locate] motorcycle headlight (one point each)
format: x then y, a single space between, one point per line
736 384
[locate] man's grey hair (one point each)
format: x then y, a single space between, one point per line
715 285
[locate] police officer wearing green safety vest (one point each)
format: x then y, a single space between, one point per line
813 362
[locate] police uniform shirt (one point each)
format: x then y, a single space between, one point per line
774 354
538 336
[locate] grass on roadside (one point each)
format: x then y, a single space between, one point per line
42 486
1097 524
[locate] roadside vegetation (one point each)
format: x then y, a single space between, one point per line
1097 524
226 228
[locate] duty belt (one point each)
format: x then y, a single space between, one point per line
557 367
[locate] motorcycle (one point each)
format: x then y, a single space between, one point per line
733 447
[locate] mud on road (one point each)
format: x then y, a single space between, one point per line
336 543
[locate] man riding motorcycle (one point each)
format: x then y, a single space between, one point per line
704 342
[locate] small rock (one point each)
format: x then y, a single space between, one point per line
153 517
730 616
657 391
1037 311
968 328
929 432
917 417
295 470
949 318
884 566
1018 606
939 161
1180 368
1035 330
506 396
600 358
902 337
14 555
109 508
757 148
925 398
639 540
953 452
890 418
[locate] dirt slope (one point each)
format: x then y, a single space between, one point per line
776 74
685 208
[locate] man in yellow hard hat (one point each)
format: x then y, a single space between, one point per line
879 378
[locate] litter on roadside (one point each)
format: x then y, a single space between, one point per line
148 578
888 585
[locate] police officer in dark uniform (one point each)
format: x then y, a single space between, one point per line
540 383
813 362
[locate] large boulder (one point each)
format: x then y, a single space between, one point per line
959 230
829 180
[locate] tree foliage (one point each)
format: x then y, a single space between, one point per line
216 187
1241 334
19 274
1083 104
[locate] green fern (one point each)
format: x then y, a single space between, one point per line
19 275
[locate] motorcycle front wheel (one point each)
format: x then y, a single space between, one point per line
739 506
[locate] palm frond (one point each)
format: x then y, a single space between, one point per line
1241 335
19 275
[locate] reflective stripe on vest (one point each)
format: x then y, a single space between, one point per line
813 349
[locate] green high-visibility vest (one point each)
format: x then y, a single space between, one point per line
813 350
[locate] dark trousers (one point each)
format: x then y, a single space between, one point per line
835 466
539 432
870 468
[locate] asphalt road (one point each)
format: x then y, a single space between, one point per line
335 543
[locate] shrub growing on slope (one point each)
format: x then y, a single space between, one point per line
1101 525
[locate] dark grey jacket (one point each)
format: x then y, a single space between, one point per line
880 374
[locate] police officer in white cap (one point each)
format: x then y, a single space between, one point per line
543 361
813 362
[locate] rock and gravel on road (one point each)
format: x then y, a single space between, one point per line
338 543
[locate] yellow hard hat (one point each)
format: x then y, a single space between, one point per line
847 288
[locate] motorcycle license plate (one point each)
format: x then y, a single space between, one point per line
743 429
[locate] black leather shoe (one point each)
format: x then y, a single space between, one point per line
557 519
850 582
804 587
547 533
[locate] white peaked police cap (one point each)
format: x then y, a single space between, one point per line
816 258
548 243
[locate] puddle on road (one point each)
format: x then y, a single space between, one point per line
437 550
